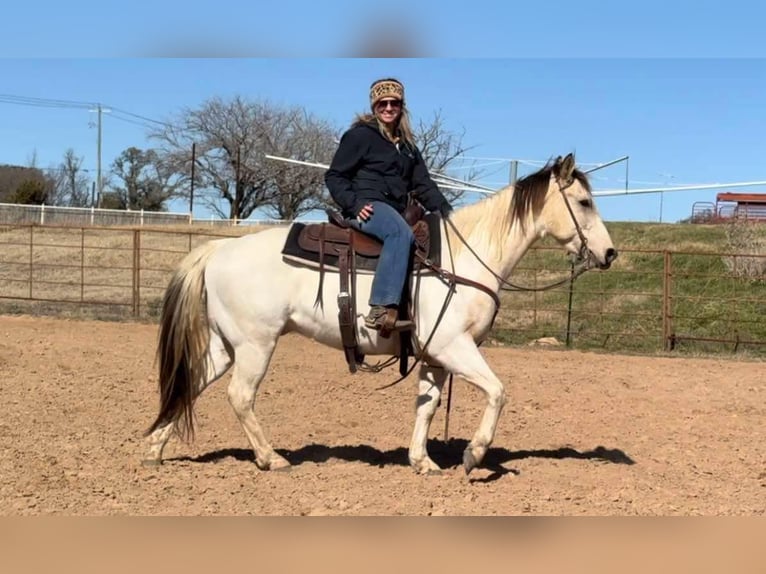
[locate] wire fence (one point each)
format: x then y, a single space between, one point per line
649 301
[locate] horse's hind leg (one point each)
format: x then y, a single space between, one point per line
220 360
429 391
252 360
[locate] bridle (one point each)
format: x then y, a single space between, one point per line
582 262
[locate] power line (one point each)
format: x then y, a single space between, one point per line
132 118
140 117
76 104
44 102
130 121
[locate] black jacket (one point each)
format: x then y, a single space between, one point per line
368 167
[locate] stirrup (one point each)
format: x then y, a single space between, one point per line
386 321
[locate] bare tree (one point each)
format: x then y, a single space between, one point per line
232 139
71 182
442 149
300 189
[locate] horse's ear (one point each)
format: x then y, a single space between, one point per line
567 167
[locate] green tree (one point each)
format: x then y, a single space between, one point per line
31 192
141 182
20 184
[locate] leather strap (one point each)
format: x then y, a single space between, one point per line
346 316
452 278
318 299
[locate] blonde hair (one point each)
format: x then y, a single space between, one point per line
403 127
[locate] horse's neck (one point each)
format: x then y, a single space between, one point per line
501 259
514 247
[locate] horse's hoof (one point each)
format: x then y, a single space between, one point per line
151 462
434 472
469 461
279 464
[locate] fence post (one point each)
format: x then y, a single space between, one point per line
31 257
82 264
42 214
667 307
136 272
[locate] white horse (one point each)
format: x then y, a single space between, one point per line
230 300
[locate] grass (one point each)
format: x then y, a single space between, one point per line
622 308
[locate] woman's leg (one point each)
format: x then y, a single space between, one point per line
387 225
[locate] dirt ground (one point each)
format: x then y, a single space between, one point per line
582 434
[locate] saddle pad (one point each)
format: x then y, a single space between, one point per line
294 252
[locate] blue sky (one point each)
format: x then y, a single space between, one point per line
332 28
681 121
677 86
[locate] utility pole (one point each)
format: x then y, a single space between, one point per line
191 190
99 183
98 168
237 188
514 171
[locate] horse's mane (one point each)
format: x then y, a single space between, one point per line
491 218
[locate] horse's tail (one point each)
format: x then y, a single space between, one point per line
183 341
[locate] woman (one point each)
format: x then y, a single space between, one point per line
374 168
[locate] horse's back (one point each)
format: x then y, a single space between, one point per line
251 269
247 276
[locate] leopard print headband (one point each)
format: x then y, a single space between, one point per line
386 89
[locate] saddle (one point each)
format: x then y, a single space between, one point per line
337 246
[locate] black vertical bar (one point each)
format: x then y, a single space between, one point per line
191 189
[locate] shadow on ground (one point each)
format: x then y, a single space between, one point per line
447 454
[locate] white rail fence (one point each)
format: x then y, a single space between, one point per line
15 214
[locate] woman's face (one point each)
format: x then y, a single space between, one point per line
388 110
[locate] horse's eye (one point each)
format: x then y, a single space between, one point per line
586 203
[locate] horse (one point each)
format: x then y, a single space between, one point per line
230 300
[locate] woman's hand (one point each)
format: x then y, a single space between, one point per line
365 213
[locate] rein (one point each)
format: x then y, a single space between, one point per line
452 281
585 258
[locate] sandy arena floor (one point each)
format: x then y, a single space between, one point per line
583 433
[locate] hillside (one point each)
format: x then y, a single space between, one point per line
706 294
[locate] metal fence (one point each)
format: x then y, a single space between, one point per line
91 270
651 300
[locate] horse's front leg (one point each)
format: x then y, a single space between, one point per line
463 359
429 391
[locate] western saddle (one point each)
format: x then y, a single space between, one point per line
337 242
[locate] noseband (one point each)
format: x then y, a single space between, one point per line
585 256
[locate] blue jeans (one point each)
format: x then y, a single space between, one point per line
387 225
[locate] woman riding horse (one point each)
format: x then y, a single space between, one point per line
375 167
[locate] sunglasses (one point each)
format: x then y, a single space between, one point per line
383 104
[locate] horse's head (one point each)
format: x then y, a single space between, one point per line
569 214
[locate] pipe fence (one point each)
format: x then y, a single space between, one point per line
649 301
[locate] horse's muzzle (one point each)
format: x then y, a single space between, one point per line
609 256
